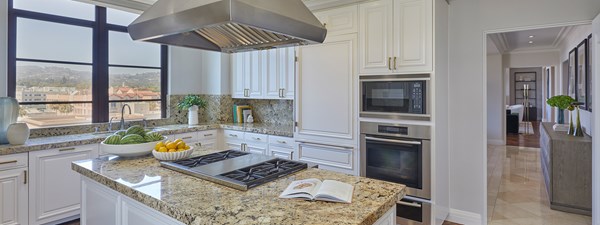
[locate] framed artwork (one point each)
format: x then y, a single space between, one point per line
548 82
590 73
572 73
581 73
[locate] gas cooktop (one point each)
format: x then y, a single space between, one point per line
236 169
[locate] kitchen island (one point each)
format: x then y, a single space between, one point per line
135 191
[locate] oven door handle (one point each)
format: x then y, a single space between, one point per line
409 204
393 141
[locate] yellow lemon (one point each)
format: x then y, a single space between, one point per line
187 147
181 145
163 149
172 150
158 145
171 145
177 140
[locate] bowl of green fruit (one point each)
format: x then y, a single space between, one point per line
133 142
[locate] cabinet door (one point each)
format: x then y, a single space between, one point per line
272 73
257 148
55 189
99 205
238 68
329 157
341 20
376 37
326 75
287 72
13 197
413 36
253 79
134 213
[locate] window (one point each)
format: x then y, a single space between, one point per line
74 63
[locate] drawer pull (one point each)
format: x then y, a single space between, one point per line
9 162
66 149
258 139
183 138
281 142
25 176
208 135
233 135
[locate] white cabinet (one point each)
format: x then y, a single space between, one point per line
13 189
341 159
342 20
256 143
265 74
233 140
207 139
325 100
396 36
54 192
282 147
101 206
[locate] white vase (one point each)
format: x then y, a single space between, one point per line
193 115
17 133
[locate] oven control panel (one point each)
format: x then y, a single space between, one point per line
392 130
417 97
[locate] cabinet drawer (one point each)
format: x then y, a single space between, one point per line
259 138
188 137
280 152
207 134
281 141
233 136
13 161
327 155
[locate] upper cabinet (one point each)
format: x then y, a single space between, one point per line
343 20
396 36
264 74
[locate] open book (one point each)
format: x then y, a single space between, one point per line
314 189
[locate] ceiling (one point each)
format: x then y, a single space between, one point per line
537 39
141 5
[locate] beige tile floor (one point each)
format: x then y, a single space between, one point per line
516 192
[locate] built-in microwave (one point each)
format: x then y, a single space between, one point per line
395 97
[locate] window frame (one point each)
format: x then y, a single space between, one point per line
100 60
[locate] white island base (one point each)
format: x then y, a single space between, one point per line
101 205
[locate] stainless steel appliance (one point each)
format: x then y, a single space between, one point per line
413 211
395 96
229 25
236 169
397 153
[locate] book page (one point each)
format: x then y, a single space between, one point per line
302 189
335 191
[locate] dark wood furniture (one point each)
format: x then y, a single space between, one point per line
512 122
567 168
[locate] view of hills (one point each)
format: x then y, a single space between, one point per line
52 76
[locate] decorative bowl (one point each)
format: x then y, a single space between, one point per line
172 156
130 150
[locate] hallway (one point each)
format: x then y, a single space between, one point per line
516 192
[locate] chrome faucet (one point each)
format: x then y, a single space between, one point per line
110 123
122 115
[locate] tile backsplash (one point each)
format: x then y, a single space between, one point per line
218 110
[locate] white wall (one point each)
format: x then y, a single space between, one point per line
577 34
531 59
3 47
193 71
495 100
469 20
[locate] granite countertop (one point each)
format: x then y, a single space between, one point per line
43 143
195 201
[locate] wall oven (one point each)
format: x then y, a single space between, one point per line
395 96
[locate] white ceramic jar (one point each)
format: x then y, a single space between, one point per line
17 133
193 115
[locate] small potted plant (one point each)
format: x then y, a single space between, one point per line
192 103
562 102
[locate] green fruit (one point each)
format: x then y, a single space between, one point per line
132 139
113 139
153 136
139 130
121 133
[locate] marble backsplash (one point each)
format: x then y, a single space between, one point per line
218 110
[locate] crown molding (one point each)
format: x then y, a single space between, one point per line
533 50
323 4
562 34
500 41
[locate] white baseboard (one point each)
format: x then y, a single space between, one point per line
495 142
464 217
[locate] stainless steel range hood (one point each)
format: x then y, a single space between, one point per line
228 25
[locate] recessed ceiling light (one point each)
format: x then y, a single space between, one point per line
531 36
530 42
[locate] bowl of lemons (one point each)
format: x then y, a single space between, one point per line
172 150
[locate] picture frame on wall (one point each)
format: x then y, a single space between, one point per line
590 73
581 74
572 74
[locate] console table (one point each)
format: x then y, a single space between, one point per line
567 168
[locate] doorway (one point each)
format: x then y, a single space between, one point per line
524 69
